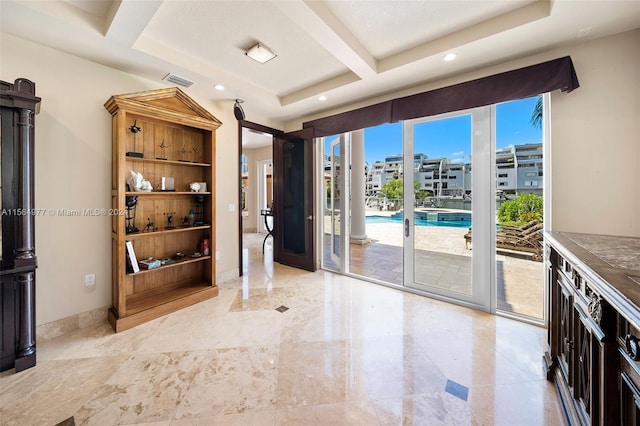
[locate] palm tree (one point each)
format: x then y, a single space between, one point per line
536 115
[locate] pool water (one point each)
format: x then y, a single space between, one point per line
420 222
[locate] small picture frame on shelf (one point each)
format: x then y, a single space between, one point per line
167 184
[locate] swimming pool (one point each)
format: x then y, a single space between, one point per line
419 222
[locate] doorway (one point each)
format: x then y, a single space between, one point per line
294 200
255 149
293 193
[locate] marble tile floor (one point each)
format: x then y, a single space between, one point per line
345 352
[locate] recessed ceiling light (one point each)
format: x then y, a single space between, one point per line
260 53
219 87
322 98
449 57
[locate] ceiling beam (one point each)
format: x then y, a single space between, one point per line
323 26
127 19
319 88
502 23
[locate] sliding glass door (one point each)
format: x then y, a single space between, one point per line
447 192
450 206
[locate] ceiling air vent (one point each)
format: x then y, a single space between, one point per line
176 79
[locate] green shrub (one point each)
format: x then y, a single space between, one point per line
523 209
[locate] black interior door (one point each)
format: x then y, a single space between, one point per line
294 199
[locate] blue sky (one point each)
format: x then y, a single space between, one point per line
451 137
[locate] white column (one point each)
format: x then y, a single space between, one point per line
358 232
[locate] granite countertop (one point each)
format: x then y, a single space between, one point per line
613 260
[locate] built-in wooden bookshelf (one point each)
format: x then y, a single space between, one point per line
170 136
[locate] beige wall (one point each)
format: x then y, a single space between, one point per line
250 222
595 134
73 171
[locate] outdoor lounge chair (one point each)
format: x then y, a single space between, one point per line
526 238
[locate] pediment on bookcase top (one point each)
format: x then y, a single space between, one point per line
169 104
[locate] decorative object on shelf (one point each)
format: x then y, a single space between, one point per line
149 263
199 210
163 147
132 261
166 184
149 227
190 219
184 152
131 201
198 186
137 183
204 245
135 130
169 216
237 110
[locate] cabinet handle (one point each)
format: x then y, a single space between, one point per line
631 344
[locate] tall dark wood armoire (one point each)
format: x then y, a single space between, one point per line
18 262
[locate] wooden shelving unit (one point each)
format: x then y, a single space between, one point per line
176 138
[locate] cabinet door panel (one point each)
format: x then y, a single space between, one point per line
566 333
7 331
629 401
587 368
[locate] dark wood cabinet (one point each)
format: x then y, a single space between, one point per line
18 260
593 326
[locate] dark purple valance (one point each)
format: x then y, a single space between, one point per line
516 84
360 118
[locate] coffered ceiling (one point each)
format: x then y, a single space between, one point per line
347 51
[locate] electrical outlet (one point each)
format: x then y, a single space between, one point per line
90 280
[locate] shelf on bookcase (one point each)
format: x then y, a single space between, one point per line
174 162
165 193
184 261
159 232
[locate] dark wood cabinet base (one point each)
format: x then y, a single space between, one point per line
594 327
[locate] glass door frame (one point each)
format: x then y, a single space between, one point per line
336 256
483 266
